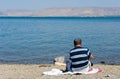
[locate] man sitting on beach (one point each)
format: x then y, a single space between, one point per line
79 57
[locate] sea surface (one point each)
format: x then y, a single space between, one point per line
36 40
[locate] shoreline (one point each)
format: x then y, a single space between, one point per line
34 71
33 63
101 63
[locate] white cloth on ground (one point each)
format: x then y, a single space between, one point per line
59 72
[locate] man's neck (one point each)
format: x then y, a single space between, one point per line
78 45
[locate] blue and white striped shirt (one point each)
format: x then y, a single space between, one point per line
79 57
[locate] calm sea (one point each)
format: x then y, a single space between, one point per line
35 40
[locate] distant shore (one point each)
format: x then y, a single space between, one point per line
33 71
83 11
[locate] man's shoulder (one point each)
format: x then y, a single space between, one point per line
84 47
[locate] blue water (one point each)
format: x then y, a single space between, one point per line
35 40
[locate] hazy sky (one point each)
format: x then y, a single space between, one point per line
41 4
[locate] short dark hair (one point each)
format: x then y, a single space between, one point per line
77 41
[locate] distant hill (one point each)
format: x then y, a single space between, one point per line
66 12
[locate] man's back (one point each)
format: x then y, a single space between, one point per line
79 57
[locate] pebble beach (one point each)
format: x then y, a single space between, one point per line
34 71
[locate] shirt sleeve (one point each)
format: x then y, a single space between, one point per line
89 53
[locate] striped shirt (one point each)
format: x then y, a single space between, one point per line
79 57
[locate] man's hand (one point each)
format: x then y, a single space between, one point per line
91 57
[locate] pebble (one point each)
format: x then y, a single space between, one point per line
107 75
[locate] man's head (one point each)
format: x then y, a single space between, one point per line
77 42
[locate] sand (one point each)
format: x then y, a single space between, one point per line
33 71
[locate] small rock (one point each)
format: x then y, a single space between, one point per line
60 59
107 75
102 62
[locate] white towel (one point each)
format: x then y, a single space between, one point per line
59 72
53 72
